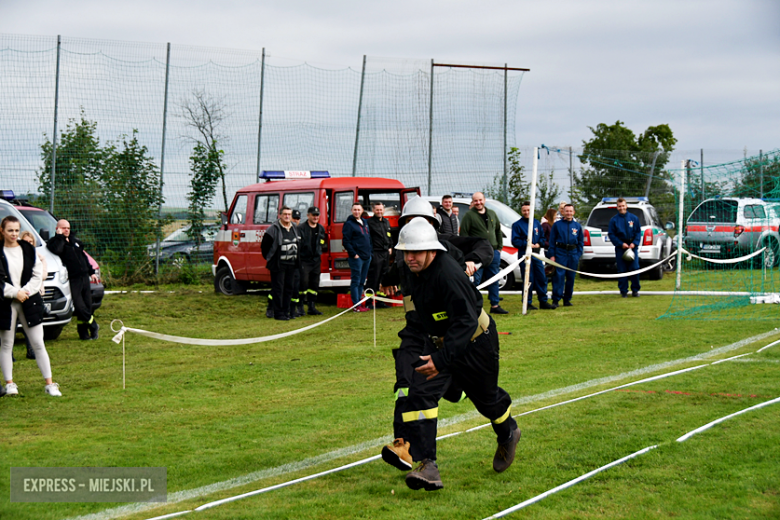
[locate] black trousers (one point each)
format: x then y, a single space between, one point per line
281 289
474 374
380 262
310 279
81 292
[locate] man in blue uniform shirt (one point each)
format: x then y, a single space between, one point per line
566 242
625 233
538 280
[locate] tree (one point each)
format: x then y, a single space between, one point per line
80 163
131 183
206 114
547 192
760 177
203 185
619 163
517 187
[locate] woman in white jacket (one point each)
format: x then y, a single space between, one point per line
21 276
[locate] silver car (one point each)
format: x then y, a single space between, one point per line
732 227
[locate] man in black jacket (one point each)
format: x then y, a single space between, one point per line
280 249
449 220
382 248
312 239
463 347
80 273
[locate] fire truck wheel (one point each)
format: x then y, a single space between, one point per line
224 282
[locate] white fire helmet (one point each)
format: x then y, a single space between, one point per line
628 255
419 235
419 207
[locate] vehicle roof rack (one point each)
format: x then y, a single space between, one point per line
269 175
633 200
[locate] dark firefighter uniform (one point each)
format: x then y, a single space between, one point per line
566 242
71 251
381 243
312 240
625 229
538 280
464 347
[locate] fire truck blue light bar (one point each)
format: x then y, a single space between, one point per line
271 175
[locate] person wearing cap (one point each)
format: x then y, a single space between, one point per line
566 243
461 351
381 249
312 239
625 233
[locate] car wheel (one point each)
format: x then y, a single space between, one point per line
224 282
52 333
772 253
657 273
506 282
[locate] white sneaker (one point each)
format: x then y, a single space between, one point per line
53 390
11 389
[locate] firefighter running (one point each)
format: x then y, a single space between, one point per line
461 353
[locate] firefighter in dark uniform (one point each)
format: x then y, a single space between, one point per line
625 233
80 273
381 246
538 280
296 304
463 350
468 252
566 242
312 239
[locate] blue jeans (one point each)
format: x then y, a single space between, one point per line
624 267
488 272
359 271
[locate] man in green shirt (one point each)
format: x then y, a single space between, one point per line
482 222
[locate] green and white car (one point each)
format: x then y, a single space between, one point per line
598 251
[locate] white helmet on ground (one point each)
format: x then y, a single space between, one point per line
419 207
419 235
628 255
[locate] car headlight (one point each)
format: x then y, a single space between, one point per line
64 275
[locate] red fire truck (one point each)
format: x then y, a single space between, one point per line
238 260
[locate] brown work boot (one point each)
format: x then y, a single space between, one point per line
397 454
505 454
426 475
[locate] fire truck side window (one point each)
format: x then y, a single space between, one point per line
266 208
344 205
239 210
300 201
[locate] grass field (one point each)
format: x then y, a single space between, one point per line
268 413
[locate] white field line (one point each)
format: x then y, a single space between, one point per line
179 496
569 484
756 361
586 476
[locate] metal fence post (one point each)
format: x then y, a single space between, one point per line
54 135
680 210
503 182
162 157
701 169
360 108
571 177
260 116
761 172
430 132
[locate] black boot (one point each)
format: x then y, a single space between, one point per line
299 309
312 309
83 330
93 329
30 352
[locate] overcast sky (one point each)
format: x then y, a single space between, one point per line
710 69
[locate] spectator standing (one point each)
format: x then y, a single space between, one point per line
449 218
356 239
559 215
296 305
521 233
625 233
80 273
381 249
482 222
566 243
28 237
280 249
312 239
547 221
21 277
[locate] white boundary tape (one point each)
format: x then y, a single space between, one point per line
726 418
247 479
570 483
725 261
